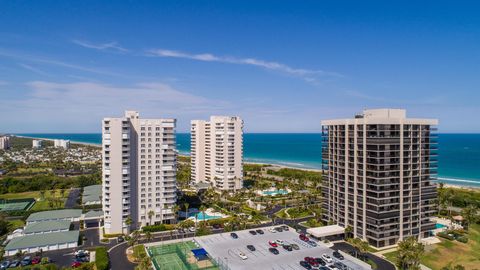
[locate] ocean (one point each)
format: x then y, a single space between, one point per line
458 161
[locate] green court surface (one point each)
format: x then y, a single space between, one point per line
16 205
177 256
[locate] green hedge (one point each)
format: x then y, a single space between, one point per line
101 258
446 236
158 228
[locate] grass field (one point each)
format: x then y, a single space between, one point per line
452 252
40 204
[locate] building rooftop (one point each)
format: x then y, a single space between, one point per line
93 214
49 225
40 240
326 231
91 194
54 214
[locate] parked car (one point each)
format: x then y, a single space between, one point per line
192 229
76 264
320 261
273 250
273 244
340 265
279 229
234 235
280 242
253 232
327 258
303 237
337 255
311 261
287 247
15 263
272 230
27 260
285 227
312 243
251 247
305 265
36 260
217 226
81 251
242 256
4 264
295 246
120 239
260 231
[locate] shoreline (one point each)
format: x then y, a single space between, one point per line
445 180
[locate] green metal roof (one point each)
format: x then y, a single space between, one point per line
55 214
49 225
91 193
39 240
94 214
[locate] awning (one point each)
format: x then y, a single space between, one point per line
200 253
326 231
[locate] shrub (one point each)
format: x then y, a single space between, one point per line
462 239
445 235
101 258
154 228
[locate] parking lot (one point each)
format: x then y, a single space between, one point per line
224 249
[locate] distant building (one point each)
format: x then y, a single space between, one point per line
61 143
4 143
378 169
37 143
217 152
139 171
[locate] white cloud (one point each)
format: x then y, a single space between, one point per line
110 46
33 69
307 74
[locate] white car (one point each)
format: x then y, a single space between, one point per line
191 229
81 251
280 242
327 258
242 256
272 230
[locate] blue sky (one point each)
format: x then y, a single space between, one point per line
281 65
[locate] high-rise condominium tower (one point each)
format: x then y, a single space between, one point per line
217 152
378 169
4 142
139 171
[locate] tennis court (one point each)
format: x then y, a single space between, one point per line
16 204
178 256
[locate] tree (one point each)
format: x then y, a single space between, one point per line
150 216
128 222
148 236
42 195
186 205
348 231
409 254
469 215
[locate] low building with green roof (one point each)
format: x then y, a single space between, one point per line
45 242
91 195
64 214
49 226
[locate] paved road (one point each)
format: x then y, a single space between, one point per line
71 201
381 263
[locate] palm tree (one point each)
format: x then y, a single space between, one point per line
202 209
409 253
469 215
186 205
348 231
128 222
150 216
148 236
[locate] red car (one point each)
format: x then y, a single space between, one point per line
76 264
311 261
36 260
273 244
303 237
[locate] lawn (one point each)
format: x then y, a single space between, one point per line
15 224
452 252
40 204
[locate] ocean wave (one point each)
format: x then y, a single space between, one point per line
458 180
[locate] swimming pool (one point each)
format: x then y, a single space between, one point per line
275 192
200 216
439 226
